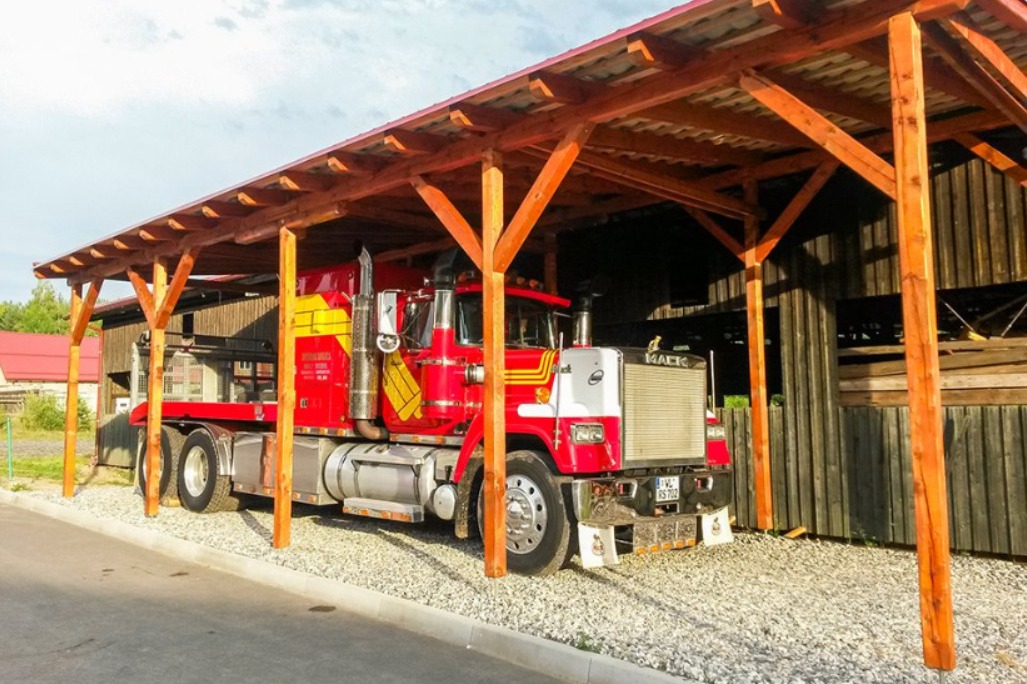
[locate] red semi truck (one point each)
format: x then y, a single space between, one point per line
606 446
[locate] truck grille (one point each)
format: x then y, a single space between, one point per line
664 414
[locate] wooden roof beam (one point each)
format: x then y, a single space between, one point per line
668 146
102 252
645 178
880 143
247 233
353 164
451 218
1012 13
820 130
264 197
481 119
834 29
788 14
984 49
410 143
726 121
183 222
660 52
937 74
305 181
976 75
392 216
556 168
154 233
830 100
549 86
993 156
717 231
220 210
128 243
794 209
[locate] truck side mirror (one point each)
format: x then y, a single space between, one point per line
388 334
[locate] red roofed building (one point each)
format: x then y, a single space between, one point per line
29 361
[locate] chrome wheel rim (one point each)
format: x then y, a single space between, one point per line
195 472
526 514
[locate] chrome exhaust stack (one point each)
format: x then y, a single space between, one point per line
364 361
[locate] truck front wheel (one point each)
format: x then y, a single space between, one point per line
201 487
537 528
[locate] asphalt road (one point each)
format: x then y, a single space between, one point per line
80 607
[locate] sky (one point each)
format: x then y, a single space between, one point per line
114 111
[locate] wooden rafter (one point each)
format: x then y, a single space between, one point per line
390 216
659 52
221 210
726 121
548 182
304 181
788 14
451 218
246 235
937 73
1012 13
985 49
717 231
482 119
794 209
413 142
820 130
1000 160
950 50
646 178
670 147
182 222
833 100
832 30
563 89
353 164
264 197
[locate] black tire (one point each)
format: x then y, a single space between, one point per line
202 488
538 540
171 441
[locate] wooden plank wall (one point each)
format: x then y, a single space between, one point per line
254 317
986 450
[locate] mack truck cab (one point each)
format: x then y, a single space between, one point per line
607 447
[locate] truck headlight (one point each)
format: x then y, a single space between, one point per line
715 433
587 433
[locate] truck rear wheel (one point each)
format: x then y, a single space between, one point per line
202 488
537 527
171 441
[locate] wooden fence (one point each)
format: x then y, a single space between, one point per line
869 493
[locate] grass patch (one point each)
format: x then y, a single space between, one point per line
28 470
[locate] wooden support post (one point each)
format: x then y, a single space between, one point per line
757 365
286 386
920 328
81 310
71 399
549 264
494 485
155 396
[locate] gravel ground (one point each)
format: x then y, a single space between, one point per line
763 609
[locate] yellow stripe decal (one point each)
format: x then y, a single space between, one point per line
401 388
532 376
314 318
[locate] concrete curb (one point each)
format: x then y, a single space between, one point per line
535 653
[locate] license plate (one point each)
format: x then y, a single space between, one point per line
668 488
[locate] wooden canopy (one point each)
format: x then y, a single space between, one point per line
694 106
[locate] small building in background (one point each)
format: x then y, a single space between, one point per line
31 363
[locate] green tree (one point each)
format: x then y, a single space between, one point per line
45 312
10 315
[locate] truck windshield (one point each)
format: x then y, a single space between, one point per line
529 323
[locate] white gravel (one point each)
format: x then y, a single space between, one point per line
763 609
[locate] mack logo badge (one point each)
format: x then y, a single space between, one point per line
716 526
659 359
597 544
595 378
